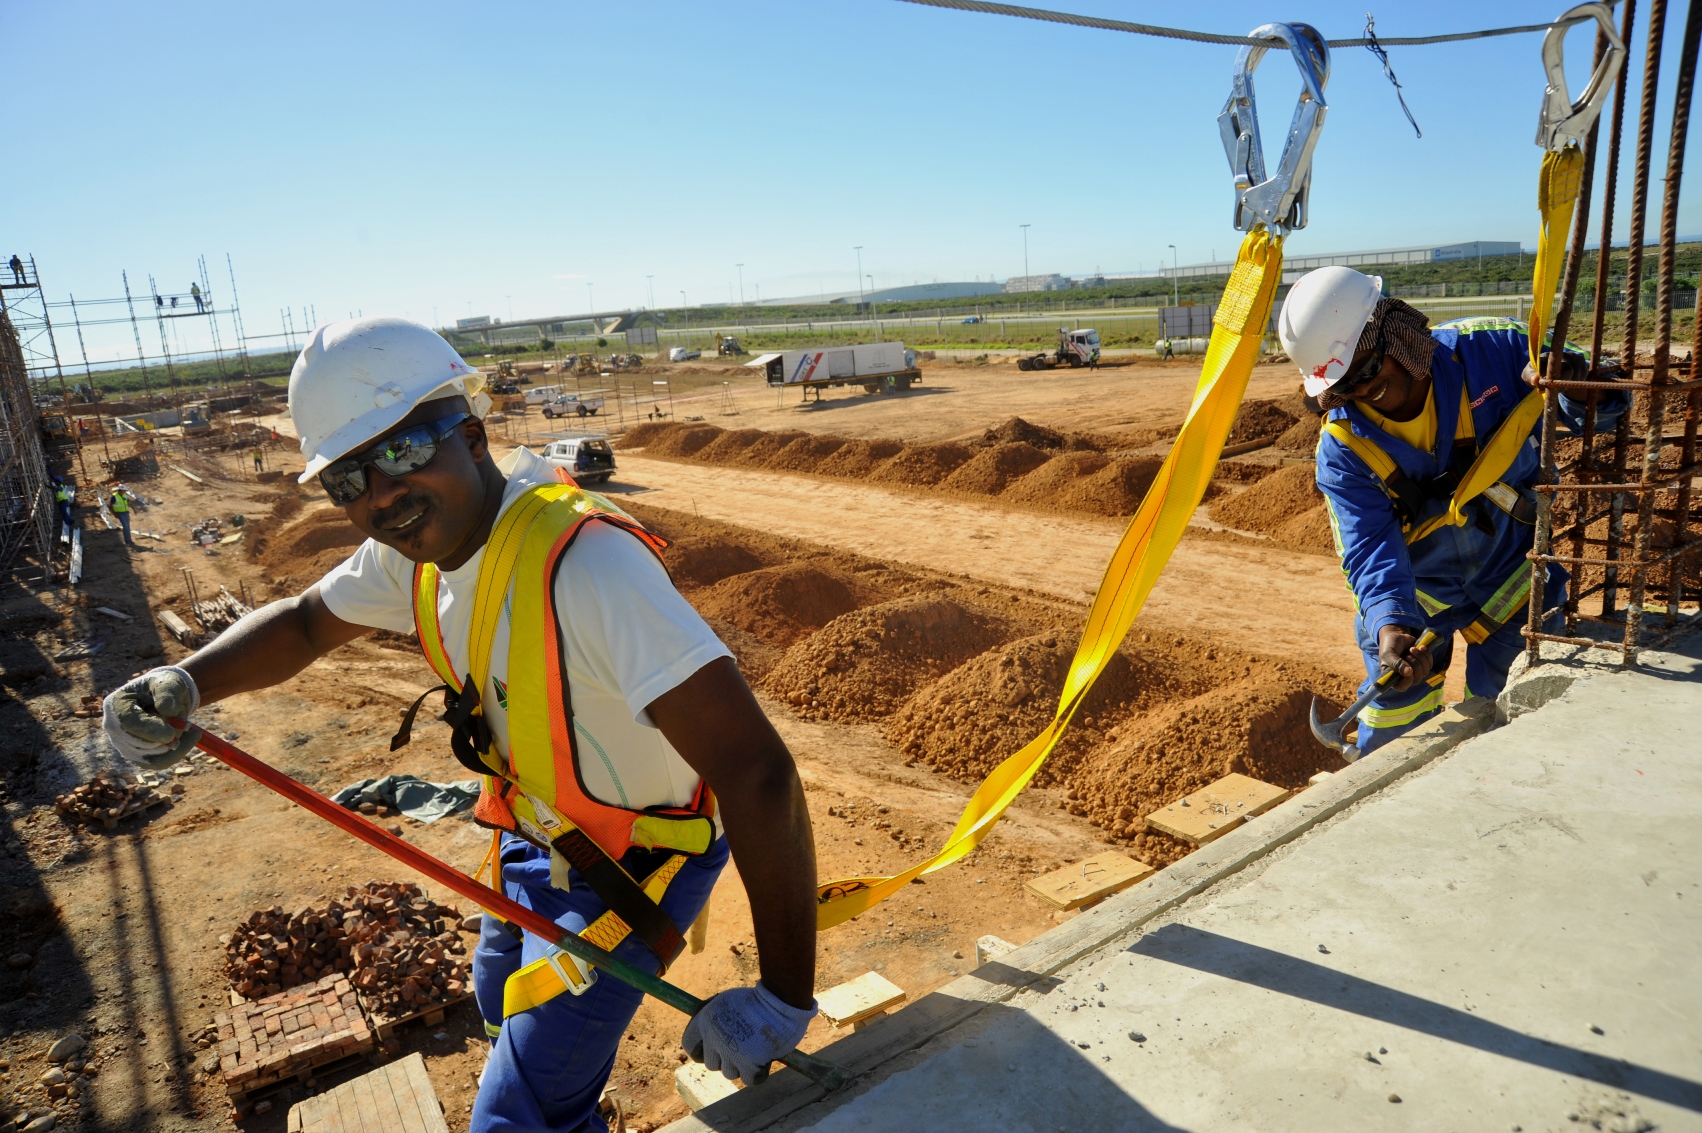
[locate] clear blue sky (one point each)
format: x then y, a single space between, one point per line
405 158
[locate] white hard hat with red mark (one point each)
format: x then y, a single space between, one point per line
1322 319
356 378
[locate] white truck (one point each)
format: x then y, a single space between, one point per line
588 459
572 405
876 366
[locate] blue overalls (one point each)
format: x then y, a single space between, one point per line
1472 578
549 1064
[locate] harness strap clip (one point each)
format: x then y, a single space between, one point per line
1562 120
1277 201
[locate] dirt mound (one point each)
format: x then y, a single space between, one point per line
865 664
704 561
1256 726
729 447
992 470
684 441
1308 532
1058 475
306 548
766 449
1018 431
1271 502
923 464
1302 436
859 458
1242 471
805 453
1258 419
779 604
645 433
1116 489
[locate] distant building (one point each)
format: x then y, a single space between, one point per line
1053 282
1294 266
475 321
921 292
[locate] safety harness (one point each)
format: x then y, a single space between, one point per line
536 791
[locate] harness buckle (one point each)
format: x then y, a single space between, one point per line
1278 201
1562 120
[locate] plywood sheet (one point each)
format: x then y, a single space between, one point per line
1089 882
1216 809
397 1098
855 1000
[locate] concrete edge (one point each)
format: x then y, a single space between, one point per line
1035 963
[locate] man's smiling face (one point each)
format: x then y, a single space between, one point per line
427 515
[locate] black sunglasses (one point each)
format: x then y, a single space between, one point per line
1369 370
408 451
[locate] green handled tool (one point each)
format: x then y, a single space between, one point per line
1330 734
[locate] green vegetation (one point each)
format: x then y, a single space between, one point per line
116 384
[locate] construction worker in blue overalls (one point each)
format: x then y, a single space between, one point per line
120 504
63 494
1411 413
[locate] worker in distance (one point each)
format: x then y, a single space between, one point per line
621 752
1409 409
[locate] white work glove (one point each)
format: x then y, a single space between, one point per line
741 1031
134 716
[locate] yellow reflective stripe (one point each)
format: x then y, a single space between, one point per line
1431 605
1341 552
1374 717
1505 601
425 624
1146 546
542 980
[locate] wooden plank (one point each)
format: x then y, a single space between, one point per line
177 627
186 472
700 1086
397 1110
348 1111
1216 809
366 1102
855 1000
989 948
431 1108
1089 882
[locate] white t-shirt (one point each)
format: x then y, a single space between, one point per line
627 635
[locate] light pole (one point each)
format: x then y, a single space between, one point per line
1175 269
1025 280
685 310
871 299
591 301
650 290
860 299
741 268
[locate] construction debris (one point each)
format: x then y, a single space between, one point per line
1214 810
220 612
107 799
395 944
179 629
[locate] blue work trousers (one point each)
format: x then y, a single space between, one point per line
124 522
549 1065
1395 713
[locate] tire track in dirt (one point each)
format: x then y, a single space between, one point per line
1271 600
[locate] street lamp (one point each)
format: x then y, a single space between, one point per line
650 290
1025 279
1175 269
741 268
859 250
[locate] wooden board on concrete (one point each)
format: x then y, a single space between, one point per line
1216 809
397 1098
701 1086
1089 882
868 995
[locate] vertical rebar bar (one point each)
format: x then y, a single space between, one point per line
1663 330
1686 457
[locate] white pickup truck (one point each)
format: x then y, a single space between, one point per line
589 460
572 405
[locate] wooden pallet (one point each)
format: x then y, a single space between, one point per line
397 1098
244 1100
385 1025
1089 882
289 1036
1214 810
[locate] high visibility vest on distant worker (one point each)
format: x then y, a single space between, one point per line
534 789
120 503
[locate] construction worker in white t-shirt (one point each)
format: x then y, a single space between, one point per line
620 750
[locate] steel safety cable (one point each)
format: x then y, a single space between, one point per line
1073 20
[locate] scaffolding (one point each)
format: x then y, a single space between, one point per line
26 506
1621 508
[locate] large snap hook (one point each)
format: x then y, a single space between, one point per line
1277 201
1562 120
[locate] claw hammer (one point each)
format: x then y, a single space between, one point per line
1330 734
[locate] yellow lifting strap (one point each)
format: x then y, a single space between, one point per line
542 980
1140 556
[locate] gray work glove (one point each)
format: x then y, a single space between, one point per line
134 716
742 1030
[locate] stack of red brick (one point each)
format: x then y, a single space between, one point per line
278 1037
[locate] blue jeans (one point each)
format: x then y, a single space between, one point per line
549 1065
124 522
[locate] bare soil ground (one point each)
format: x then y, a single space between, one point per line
904 638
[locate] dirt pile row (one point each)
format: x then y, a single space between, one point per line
960 678
300 543
1018 461
1287 506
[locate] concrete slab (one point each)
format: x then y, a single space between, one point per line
1508 938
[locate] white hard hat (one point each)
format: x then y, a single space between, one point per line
357 378
1322 319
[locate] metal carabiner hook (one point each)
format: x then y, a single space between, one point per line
1562 120
1278 201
